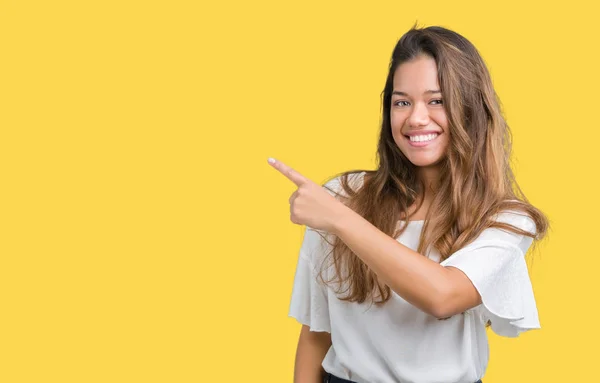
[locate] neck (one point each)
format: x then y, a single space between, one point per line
430 175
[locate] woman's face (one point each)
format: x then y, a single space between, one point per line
418 119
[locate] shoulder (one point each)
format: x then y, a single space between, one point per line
518 219
506 232
354 179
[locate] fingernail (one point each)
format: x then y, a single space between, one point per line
271 160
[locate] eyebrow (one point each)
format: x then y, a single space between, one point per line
399 93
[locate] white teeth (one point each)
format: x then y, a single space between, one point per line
426 137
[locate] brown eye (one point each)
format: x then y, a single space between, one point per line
399 102
437 102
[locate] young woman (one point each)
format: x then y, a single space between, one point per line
402 268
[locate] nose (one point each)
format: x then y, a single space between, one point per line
419 115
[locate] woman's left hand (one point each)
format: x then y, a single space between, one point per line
311 204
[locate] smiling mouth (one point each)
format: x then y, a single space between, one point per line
421 139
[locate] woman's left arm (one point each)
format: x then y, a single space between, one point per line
437 290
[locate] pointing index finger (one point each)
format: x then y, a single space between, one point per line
287 171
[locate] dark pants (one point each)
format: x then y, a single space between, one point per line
329 378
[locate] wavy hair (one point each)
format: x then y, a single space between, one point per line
475 171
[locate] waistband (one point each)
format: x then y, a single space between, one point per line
330 378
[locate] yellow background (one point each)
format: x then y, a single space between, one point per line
144 237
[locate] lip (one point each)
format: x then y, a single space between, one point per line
422 143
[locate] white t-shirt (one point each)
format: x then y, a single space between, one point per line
400 343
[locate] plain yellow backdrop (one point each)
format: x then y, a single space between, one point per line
144 237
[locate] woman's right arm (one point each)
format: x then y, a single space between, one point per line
311 350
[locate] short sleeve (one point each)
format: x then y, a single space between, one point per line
495 264
309 304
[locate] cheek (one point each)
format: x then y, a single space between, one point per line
397 121
441 120
445 143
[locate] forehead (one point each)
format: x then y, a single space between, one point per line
416 74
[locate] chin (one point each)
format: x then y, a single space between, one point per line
425 162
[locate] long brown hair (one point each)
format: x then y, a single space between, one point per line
476 180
